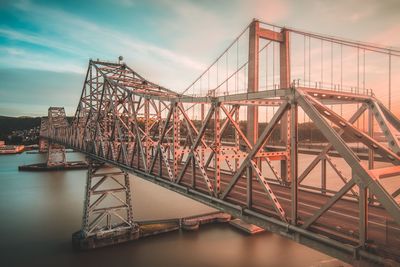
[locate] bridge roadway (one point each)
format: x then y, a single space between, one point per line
340 222
344 214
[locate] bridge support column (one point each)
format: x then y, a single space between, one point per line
107 213
323 175
252 111
44 128
293 161
56 155
371 155
43 145
284 73
363 223
253 82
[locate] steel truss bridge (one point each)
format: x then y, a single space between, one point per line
196 145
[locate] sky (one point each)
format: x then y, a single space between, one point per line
45 45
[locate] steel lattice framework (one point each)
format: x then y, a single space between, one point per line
136 125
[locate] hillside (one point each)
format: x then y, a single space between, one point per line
9 124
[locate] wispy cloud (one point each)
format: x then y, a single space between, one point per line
84 38
37 39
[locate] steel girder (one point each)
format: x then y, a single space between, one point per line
129 122
361 175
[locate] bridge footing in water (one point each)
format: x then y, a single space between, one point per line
145 229
246 227
72 165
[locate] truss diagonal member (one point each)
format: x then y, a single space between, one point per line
249 145
195 157
339 173
354 132
329 203
121 218
138 139
78 110
316 160
233 122
163 132
227 161
275 203
203 172
202 129
166 162
260 141
100 136
274 171
396 193
394 121
189 121
97 202
348 155
94 224
387 129
181 174
223 128
100 182
122 143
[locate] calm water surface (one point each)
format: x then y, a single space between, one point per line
40 210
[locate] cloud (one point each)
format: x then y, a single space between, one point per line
83 39
12 51
36 39
19 58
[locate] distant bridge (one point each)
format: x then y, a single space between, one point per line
179 141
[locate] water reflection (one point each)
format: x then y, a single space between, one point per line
40 210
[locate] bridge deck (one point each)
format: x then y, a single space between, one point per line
339 223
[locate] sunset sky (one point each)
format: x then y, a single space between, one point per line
45 45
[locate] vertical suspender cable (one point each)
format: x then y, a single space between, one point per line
364 86
364 71
273 62
358 69
358 88
322 63
266 70
237 66
331 72
217 74
201 86
341 76
331 65
208 81
309 61
304 61
226 78
390 79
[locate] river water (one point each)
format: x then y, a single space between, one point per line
40 210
